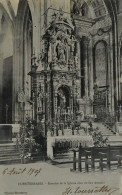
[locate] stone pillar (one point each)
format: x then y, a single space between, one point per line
1 85
91 73
0 21
111 84
16 76
85 43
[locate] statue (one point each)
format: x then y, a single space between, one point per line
61 51
79 8
76 8
62 99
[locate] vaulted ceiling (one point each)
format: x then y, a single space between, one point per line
99 8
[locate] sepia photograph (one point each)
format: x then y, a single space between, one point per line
60 97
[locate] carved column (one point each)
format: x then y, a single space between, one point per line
48 108
55 103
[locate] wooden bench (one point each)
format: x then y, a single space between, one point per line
105 157
111 157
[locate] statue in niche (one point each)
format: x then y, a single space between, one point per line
76 7
61 51
61 100
79 8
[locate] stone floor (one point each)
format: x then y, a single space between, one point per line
43 178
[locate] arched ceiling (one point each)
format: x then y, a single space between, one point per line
11 7
99 8
14 6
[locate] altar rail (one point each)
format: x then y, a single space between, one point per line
106 157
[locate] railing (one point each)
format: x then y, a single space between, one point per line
108 118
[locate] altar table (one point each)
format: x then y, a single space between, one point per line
85 141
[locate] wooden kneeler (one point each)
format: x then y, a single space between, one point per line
75 160
79 161
105 159
89 160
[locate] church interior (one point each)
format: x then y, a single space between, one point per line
61 71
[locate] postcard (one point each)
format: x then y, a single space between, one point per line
60 97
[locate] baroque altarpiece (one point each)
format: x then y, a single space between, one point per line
59 82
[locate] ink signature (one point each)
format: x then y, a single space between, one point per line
20 171
78 190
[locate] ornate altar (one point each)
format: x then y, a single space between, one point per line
59 79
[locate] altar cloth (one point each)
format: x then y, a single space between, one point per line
85 141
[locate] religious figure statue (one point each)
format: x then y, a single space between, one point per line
61 51
62 99
79 8
76 8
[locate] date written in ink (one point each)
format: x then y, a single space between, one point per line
20 171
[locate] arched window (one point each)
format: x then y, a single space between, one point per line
100 64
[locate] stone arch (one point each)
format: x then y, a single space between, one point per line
22 11
21 57
22 4
6 15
